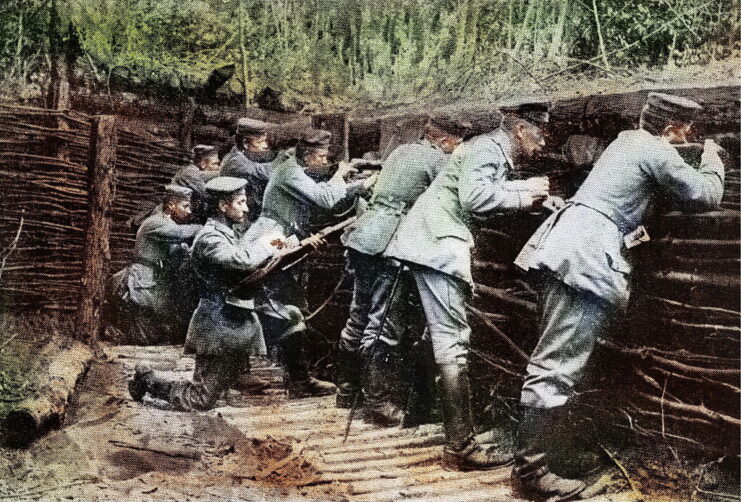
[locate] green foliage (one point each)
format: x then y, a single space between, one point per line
385 50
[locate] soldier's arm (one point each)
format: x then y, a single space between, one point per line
175 233
222 254
481 190
263 170
325 195
701 189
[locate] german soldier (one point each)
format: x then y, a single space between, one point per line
582 255
290 197
204 167
251 159
223 329
435 241
373 325
142 292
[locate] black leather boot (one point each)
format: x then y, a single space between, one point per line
531 472
380 376
461 451
348 379
248 383
297 379
147 381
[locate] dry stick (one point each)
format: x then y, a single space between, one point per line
622 468
599 34
482 317
192 454
696 410
9 249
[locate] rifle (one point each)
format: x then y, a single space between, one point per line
250 285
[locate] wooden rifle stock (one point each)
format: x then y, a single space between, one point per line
250 285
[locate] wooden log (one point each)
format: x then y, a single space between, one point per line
31 417
97 252
502 296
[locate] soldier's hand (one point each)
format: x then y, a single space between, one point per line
539 186
315 241
344 169
370 181
532 201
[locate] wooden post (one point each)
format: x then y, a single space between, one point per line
59 94
97 255
185 135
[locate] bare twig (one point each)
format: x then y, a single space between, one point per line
11 247
622 468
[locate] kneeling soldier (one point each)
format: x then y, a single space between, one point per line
223 329
582 253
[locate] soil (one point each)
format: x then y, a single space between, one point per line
264 447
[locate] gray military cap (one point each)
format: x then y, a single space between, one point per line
225 185
537 113
247 127
178 192
201 151
451 124
315 138
668 106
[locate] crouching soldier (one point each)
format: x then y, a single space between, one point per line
223 329
142 293
582 255
290 198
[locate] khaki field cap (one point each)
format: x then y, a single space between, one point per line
315 138
537 113
668 106
178 192
225 185
248 127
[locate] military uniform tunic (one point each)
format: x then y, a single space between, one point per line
144 290
435 239
406 174
580 251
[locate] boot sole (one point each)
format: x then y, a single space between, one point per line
530 493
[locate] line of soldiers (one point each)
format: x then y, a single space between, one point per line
415 233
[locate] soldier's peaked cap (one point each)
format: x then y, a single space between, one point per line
451 124
315 138
248 126
537 113
225 185
201 151
178 191
671 107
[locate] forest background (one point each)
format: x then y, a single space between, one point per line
351 53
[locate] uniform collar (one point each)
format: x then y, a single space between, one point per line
221 226
504 141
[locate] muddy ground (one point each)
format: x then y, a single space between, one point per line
267 447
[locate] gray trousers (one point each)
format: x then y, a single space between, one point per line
376 310
212 375
570 323
444 300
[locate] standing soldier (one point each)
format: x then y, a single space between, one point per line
290 197
251 159
582 254
223 329
435 242
407 173
143 291
205 166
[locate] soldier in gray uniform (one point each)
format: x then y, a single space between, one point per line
290 197
582 255
204 167
435 241
373 325
142 293
223 329
251 159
